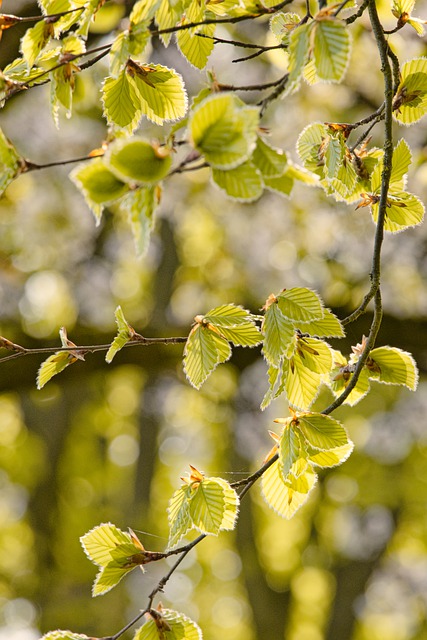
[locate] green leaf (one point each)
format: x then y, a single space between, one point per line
161 93
333 155
204 350
11 163
243 183
98 184
167 16
300 304
269 161
137 160
331 49
299 51
125 334
35 40
168 625
340 376
282 25
304 373
321 431
179 515
87 15
121 103
282 185
235 324
278 334
286 497
327 327
196 48
290 451
140 205
224 130
54 365
50 7
213 506
393 366
403 210
64 635
308 146
273 378
410 102
330 457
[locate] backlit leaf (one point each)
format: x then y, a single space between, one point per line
140 205
282 25
235 324
300 304
393 366
327 327
269 161
179 515
330 457
161 93
35 40
340 376
121 103
299 48
64 635
243 183
10 162
282 185
289 450
125 333
137 160
410 102
204 350
224 130
52 366
106 543
321 431
331 49
168 625
403 210
283 497
209 503
278 334
98 185
195 48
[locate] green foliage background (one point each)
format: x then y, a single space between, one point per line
110 443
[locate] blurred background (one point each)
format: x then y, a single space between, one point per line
109 443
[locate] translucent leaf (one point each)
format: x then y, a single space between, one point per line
64 635
305 372
283 497
179 516
140 205
331 457
125 334
10 162
209 503
401 162
333 154
169 625
340 376
98 185
299 173
289 450
282 185
331 49
106 543
168 15
235 324
50 7
308 147
321 431
314 354
121 103
327 327
204 350
278 334
273 377
393 366
195 48
224 130
243 183
35 40
143 10
108 577
410 102
282 25
90 9
300 304
299 47
137 160
54 365
161 92
403 210
120 53
269 161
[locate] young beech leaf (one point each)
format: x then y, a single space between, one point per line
304 372
327 327
194 47
138 160
410 101
224 130
243 183
331 49
300 304
116 552
121 102
35 40
98 185
340 376
309 145
320 431
403 210
179 515
213 506
269 161
290 450
10 162
167 16
286 497
282 185
282 25
204 350
140 205
167 624
161 92
59 360
235 324
59 634
393 366
274 374
299 51
330 457
125 334
278 333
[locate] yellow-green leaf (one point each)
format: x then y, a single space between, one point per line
168 625
194 47
321 431
393 366
98 185
204 350
179 515
300 304
331 49
283 497
243 183
410 101
121 103
278 333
